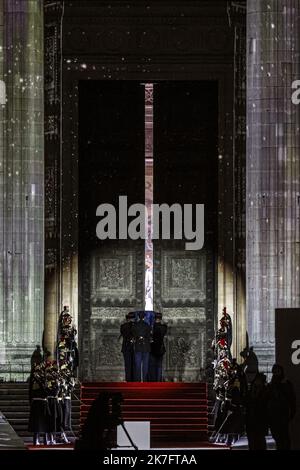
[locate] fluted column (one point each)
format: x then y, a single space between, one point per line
273 175
21 184
53 173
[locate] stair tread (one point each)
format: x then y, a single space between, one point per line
143 386
170 413
178 412
160 400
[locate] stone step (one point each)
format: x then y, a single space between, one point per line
19 408
14 404
17 420
173 409
13 393
14 385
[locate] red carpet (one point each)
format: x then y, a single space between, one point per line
178 412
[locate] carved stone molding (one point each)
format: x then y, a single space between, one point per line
113 315
182 314
113 276
183 276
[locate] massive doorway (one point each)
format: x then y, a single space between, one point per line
113 146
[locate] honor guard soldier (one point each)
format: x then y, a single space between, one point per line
157 349
127 346
141 333
52 389
65 401
39 410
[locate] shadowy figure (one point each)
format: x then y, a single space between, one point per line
256 413
100 428
226 325
39 409
128 346
181 347
36 357
239 371
281 407
250 364
233 425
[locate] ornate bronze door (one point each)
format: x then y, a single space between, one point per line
112 272
111 163
185 172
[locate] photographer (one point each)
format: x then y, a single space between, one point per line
99 431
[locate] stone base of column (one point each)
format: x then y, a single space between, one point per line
15 362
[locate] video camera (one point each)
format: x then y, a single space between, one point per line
115 411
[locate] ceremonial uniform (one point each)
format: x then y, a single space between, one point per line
53 389
67 349
39 409
157 351
141 333
67 397
127 349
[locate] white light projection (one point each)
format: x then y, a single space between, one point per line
149 195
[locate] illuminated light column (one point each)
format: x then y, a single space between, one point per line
149 195
21 185
273 170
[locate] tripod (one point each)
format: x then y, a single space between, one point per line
128 436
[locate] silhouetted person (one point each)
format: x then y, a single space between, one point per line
233 426
36 357
250 365
226 323
241 377
127 347
99 426
256 413
281 407
141 333
39 409
157 349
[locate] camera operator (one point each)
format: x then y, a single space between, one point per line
100 428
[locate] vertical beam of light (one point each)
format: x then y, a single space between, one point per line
149 195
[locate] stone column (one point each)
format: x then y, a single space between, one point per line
237 21
21 185
273 172
53 172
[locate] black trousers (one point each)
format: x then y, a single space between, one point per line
155 368
129 365
256 439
